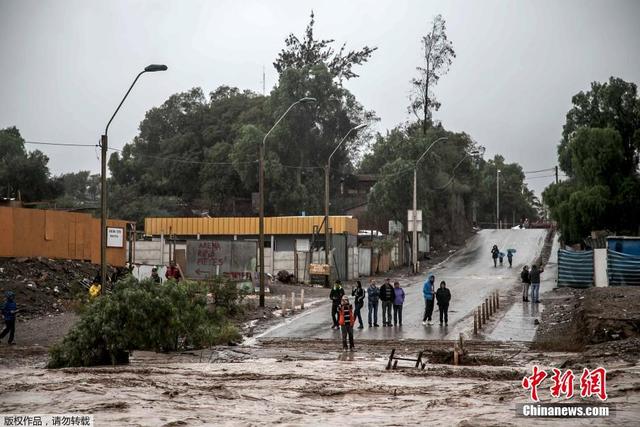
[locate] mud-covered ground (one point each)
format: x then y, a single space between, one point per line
304 382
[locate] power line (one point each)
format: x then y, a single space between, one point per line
544 176
541 170
62 144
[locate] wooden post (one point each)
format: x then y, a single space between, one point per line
475 322
284 302
489 313
484 319
301 299
461 343
293 301
455 354
498 298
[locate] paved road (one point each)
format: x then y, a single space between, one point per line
469 274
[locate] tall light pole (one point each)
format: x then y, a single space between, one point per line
261 190
327 238
498 198
104 142
415 205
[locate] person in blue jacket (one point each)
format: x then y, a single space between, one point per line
9 310
428 294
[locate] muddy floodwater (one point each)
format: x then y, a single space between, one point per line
306 383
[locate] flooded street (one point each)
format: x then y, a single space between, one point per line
305 383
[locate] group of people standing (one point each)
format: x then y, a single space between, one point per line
391 297
531 279
497 255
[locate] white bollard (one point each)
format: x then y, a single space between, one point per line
284 301
293 301
301 299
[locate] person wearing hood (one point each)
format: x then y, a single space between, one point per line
373 295
386 296
9 310
495 252
443 296
358 294
428 294
398 301
335 296
526 281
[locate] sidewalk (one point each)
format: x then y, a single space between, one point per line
518 323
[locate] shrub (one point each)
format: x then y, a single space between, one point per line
147 316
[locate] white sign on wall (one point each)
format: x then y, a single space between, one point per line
410 220
115 237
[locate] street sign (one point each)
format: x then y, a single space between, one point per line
115 237
319 269
410 220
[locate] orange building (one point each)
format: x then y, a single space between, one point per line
59 234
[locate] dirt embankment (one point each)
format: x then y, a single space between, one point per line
593 321
44 286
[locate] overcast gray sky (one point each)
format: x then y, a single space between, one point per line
66 64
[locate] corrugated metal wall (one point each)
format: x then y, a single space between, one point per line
575 268
246 226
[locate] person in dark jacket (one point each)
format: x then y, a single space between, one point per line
386 296
346 319
155 277
495 252
335 296
398 301
9 310
526 281
373 296
510 257
443 296
534 277
358 293
427 294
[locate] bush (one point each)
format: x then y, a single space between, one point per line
147 316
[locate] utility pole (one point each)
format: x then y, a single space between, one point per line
261 198
414 254
498 198
327 171
556 174
103 178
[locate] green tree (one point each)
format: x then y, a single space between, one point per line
309 52
614 104
437 55
23 173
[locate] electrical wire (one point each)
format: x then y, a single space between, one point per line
63 144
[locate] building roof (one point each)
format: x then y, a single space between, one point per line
247 225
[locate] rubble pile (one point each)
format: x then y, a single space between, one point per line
44 286
593 319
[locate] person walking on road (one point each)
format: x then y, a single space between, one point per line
335 296
510 257
443 296
358 294
373 295
9 310
534 277
428 294
346 319
494 254
526 281
386 296
398 300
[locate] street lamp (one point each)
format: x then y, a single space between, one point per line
415 205
103 197
327 244
498 198
261 190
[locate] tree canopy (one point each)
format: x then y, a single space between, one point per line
23 174
599 154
